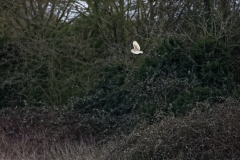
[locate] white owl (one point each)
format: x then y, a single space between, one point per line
136 48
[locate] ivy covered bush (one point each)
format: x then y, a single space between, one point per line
170 79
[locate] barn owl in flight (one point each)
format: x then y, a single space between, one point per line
136 48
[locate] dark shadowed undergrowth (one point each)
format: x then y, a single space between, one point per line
58 125
203 133
43 133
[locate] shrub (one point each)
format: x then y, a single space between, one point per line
205 133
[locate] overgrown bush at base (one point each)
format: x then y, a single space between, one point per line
205 133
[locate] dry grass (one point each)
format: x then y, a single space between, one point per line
25 149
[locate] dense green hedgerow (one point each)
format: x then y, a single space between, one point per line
171 78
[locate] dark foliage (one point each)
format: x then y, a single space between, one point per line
173 78
205 133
